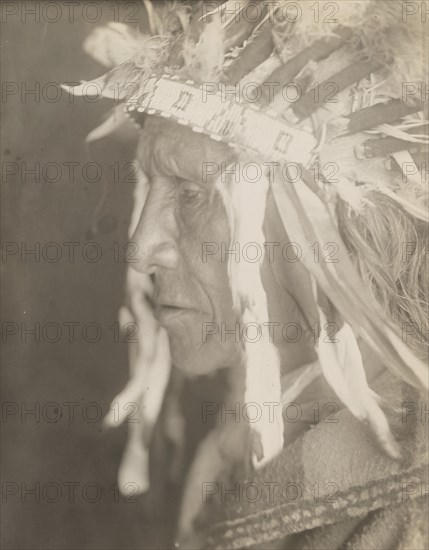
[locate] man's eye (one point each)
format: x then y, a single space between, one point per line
191 196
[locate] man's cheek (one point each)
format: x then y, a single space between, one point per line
205 235
216 223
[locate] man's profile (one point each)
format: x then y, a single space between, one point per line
281 158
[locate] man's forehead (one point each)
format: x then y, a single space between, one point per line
175 150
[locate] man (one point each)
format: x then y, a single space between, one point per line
288 446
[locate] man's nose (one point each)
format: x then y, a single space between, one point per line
156 233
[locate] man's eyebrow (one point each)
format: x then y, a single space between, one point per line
208 188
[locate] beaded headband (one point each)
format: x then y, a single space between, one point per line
236 124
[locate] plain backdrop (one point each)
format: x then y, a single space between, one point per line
38 130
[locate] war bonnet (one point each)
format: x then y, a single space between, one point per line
342 93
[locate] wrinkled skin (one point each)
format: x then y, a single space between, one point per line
181 213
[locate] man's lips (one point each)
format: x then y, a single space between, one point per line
169 312
172 303
172 298
166 308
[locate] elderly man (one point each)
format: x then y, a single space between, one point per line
281 258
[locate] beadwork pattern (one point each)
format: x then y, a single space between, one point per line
237 124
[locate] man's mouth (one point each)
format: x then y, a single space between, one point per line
165 308
174 304
160 301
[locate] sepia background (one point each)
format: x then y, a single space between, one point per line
37 129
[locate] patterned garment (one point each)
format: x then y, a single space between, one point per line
333 487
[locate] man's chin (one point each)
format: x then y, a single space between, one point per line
202 360
196 348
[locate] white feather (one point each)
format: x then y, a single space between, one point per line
246 210
342 366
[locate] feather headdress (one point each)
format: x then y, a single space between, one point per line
357 126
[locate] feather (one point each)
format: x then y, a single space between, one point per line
116 119
342 366
152 17
305 376
113 44
246 216
307 220
204 59
116 84
125 80
231 7
133 473
150 366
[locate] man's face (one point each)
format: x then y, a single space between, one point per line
191 293
183 218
